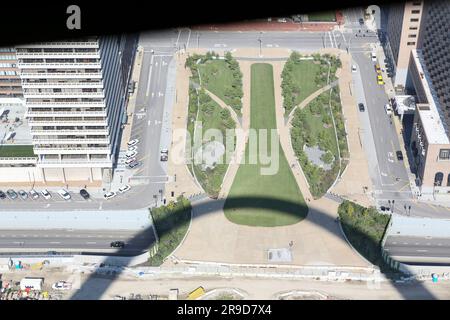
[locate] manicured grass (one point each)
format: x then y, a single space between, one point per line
304 72
211 116
325 16
15 151
171 223
365 228
264 200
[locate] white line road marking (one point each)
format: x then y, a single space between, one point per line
91 242
149 76
54 242
149 122
179 33
421 250
189 37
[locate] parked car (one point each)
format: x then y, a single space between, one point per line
117 244
383 208
134 148
130 160
12 194
378 69
164 157
62 285
46 194
133 142
109 195
134 164
388 109
354 69
131 154
165 151
361 107
373 56
361 21
84 194
283 20
23 194
2 195
124 189
34 195
399 155
64 194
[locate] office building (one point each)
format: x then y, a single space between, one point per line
9 74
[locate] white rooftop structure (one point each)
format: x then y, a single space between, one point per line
405 104
11 102
435 129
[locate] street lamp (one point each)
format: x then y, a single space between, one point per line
406 212
392 209
409 211
161 193
260 44
156 199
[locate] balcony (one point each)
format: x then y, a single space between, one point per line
71 150
75 163
82 113
69 65
65 104
58 55
67 122
59 75
51 85
63 95
61 44
70 141
69 132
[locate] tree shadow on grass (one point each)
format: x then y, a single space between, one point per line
204 207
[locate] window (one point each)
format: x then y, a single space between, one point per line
417 3
412 28
448 180
415 11
438 177
444 154
411 43
412 35
414 20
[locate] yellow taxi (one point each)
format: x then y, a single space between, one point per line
378 69
380 80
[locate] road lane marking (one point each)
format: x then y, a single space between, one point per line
54 242
149 77
189 37
92 242
421 250
178 38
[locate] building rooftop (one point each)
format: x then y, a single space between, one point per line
435 129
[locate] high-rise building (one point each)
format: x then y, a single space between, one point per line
403 29
429 73
9 74
75 93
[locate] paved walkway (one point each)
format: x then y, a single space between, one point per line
317 239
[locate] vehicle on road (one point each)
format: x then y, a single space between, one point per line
130 160
134 148
134 164
283 20
373 56
165 151
383 208
133 142
361 21
11 194
84 194
2 195
388 109
399 155
378 69
62 285
117 244
380 80
131 154
124 188
46 194
354 69
164 157
23 194
109 195
34 195
64 194
361 107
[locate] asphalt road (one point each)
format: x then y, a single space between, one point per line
407 248
55 240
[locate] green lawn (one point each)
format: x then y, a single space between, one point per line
304 73
12 151
211 116
264 200
218 78
171 224
325 16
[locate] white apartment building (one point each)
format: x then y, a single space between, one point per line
75 93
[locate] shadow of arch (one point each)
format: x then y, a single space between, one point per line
203 207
